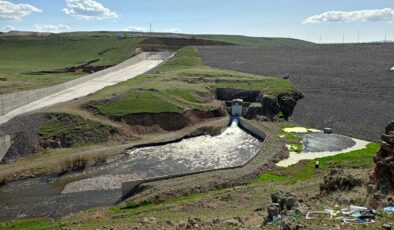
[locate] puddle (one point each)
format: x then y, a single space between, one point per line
318 145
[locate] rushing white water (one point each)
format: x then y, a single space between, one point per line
205 151
231 148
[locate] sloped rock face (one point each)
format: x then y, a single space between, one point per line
383 176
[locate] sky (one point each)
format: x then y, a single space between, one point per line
323 21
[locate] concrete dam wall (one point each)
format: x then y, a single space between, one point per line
5 144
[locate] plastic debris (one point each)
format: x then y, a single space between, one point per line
313 215
358 221
389 209
360 208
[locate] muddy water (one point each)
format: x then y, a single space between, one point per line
100 186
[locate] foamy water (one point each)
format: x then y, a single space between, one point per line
231 148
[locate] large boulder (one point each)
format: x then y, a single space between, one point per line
287 105
270 105
383 176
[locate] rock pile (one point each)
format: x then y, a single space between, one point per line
383 176
337 180
285 208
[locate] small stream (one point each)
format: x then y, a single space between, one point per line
101 185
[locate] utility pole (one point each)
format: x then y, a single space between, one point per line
320 39
150 27
358 37
343 37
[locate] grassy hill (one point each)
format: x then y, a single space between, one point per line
21 55
182 83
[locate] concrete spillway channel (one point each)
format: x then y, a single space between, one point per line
102 185
12 105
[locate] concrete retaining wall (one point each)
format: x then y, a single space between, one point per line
9 102
5 144
131 186
245 124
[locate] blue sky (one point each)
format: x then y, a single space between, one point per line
328 19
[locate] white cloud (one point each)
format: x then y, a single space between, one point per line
373 15
7 28
173 30
15 12
88 10
52 28
136 29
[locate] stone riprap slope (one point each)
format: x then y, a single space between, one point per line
348 87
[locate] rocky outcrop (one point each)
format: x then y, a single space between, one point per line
284 103
270 106
383 176
337 180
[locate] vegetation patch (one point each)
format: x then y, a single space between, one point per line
305 169
30 225
292 139
138 102
64 131
180 84
270 177
24 54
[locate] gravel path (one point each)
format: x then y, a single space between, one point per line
347 87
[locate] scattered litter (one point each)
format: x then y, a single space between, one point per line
358 221
387 226
344 211
317 164
359 208
389 209
276 218
313 215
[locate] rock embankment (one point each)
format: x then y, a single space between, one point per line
272 106
383 176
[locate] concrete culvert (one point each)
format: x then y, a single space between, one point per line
327 130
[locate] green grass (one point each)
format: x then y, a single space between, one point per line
270 177
292 139
30 225
184 59
304 170
76 133
185 95
138 102
23 54
179 84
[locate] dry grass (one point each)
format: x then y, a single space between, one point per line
3 180
74 164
